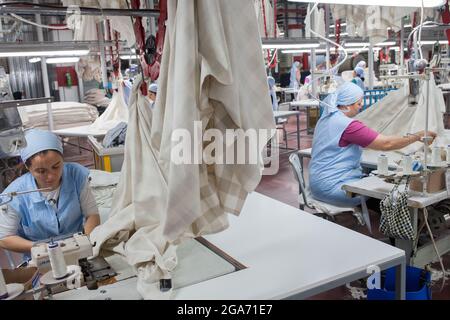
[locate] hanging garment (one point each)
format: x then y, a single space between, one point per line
393 115
371 21
213 66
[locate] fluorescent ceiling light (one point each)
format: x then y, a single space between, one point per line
34 60
387 3
356 44
325 50
342 34
342 25
291 46
387 43
48 53
433 42
63 60
128 57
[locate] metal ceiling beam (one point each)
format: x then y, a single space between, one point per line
59 44
62 11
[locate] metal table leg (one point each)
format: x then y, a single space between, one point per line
400 281
298 131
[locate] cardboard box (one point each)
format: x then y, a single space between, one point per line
436 182
29 277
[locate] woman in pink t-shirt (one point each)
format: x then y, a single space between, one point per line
338 142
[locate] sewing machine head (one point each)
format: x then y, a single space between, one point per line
74 248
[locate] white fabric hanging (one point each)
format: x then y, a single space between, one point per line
116 112
394 116
370 21
319 22
213 72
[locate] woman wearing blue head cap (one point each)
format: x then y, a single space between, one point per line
295 76
67 205
338 142
358 77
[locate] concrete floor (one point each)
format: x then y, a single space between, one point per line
284 188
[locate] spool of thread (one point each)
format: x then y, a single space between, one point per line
448 154
59 267
407 164
3 288
382 164
436 155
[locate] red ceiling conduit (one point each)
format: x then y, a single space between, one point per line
150 70
446 19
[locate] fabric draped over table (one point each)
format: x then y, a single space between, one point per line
212 71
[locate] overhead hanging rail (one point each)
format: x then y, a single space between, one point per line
27 8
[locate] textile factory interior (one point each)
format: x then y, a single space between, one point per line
224 150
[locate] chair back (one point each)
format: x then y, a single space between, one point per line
297 169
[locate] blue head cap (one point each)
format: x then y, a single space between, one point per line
153 88
39 140
346 95
359 72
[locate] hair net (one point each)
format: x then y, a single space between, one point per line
361 64
153 88
359 72
347 94
39 140
270 82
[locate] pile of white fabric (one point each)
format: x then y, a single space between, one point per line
65 115
212 74
96 97
393 115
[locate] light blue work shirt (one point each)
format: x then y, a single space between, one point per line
39 219
332 166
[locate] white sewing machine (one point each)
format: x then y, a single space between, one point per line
74 248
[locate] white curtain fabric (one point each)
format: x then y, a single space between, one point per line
270 22
85 27
394 116
212 71
371 21
319 22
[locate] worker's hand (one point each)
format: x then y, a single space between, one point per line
432 135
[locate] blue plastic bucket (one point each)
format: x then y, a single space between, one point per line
417 285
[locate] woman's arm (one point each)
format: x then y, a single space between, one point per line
16 244
388 143
92 221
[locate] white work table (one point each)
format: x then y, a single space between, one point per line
305 103
287 114
288 253
375 187
368 158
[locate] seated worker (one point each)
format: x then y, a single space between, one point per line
338 142
67 206
152 90
358 77
273 94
